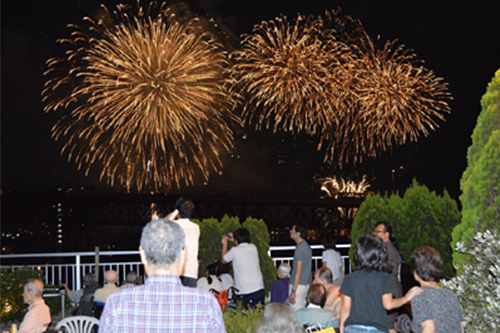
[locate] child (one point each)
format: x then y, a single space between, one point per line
367 292
279 289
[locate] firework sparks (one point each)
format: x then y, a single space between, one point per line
290 74
335 187
395 99
146 99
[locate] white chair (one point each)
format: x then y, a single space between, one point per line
78 324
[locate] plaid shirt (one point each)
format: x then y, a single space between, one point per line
161 305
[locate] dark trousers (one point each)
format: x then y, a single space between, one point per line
251 300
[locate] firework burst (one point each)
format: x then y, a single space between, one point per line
144 97
290 75
394 100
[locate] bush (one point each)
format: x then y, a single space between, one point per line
242 321
478 282
419 218
11 293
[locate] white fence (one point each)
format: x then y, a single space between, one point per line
70 267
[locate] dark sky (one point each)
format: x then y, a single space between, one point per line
458 40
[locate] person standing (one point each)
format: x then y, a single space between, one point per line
436 309
181 215
162 304
333 260
302 262
383 230
246 266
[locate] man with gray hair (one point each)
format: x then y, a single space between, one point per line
110 279
162 304
38 314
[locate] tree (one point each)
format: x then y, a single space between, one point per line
419 218
481 182
478 284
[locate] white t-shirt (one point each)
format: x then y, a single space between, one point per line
192 232
227 281
246 267
333 262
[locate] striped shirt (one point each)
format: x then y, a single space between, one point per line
161 305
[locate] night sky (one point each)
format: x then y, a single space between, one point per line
458 40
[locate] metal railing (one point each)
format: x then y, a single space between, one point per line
70 267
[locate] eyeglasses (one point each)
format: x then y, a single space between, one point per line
378 231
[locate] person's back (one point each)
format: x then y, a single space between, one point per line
442 306
162 304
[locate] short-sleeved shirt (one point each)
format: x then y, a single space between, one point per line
440 305
279 290
302 253
38 314
192 233
314 314
333 261
162 304
366 290
246 267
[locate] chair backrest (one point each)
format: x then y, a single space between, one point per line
78 324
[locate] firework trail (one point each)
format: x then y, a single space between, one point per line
290 75
145 99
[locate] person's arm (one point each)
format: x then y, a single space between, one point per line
394 303
224 247
428 326
462 324
345 311
296 280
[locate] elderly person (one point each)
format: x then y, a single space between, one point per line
83 297
436 309
333 301
38 314
162 304
279 288
279 318
313 313
130 280
110 279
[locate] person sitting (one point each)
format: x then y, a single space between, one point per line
436 309
224 276
210 281
130 280
110 279
333 301
313 313
279 318
38 314
279 288
83 297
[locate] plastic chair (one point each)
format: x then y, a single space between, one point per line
78 324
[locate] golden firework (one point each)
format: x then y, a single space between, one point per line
394 100
144 97
290 75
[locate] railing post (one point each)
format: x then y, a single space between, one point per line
78 276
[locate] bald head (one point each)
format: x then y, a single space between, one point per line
111 276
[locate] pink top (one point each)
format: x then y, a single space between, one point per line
38 314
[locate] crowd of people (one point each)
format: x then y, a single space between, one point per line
174 299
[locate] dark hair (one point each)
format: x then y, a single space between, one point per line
241 235
185 207
325 273
370 254
428 264
316 294
387 226
212 269
223 268
302 228
329 242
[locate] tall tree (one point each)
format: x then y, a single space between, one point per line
481 180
